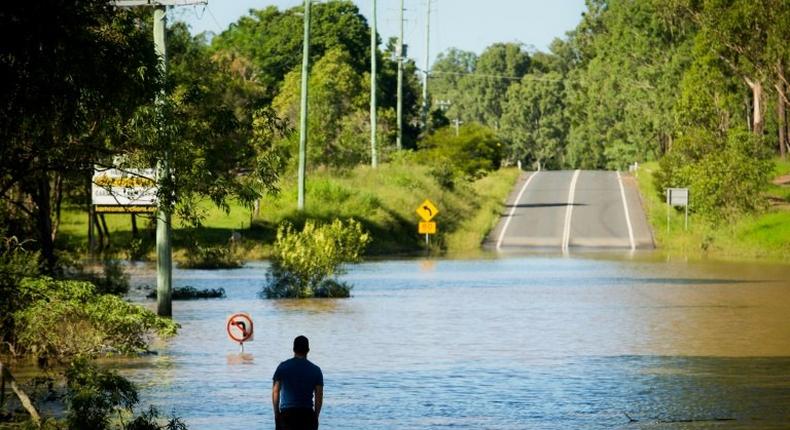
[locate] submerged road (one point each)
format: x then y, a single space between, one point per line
576 208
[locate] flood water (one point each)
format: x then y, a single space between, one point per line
543 342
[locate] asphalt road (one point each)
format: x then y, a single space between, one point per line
573 209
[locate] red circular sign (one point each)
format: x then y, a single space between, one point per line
240 327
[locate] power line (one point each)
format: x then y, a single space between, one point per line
213 18
493 76
625 82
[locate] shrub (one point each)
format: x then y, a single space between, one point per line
15 264
303 262
474 152
111 279
212 257
59 320
94 395
726 175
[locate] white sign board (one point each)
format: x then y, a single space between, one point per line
133 3
678 196
123 188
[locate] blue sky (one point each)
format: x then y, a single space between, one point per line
466 24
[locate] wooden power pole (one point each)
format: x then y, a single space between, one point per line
164 251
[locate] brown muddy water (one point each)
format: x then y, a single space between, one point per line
586 342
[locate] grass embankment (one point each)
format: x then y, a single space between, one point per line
383 200
764 236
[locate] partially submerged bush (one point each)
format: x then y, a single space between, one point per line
59 320
212 257
190 293
303 262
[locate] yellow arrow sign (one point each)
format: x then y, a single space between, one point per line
427 210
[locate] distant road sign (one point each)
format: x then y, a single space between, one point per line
678 196
427 227
240 328
427 210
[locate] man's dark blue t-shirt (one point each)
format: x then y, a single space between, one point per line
298 378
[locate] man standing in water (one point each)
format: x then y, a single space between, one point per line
295 381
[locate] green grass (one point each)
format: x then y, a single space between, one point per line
383 200
758 236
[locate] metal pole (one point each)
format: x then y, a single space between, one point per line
427 61
373 120
687 217
399 142
91 238
303 105
668 207
164 258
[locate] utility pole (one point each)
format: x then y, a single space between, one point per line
164 255
427 66
400 81
303 105
373 114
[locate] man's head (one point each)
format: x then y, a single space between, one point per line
301 345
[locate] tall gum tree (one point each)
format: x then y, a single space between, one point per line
71 76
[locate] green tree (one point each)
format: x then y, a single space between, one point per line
749 38
71 77
447 74
212 126
632 56
500 65
534 121
336 95
272 39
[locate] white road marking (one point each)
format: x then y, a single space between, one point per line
513 210
566 234
627 215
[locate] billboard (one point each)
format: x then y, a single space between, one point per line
124 190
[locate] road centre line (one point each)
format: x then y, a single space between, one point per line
566 233
513 210
627 215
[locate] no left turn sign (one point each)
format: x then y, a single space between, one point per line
240 328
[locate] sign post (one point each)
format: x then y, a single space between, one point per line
240 328
678 197
427 211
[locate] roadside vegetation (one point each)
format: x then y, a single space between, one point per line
764 235
383 200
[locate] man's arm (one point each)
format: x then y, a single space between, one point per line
276 398
319 399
